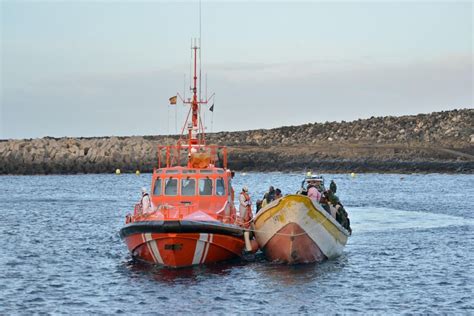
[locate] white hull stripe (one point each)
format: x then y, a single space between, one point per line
152 246
208 244
201 243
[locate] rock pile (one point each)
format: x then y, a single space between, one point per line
440 141
448 128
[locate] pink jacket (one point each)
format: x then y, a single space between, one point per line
314 194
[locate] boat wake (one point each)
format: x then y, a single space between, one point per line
373 219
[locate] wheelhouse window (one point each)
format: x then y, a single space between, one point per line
220 187
188 187
189 171
157 188
171 186
205 186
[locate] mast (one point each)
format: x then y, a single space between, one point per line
196 134
192 137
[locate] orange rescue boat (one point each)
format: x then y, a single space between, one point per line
192 217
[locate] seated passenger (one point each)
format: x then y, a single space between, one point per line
277 194
313 192
324 202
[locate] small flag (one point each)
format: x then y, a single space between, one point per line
212 108
173 99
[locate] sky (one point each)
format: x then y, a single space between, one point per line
103 68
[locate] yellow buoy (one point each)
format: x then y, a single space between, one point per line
137 172
353 174
117 171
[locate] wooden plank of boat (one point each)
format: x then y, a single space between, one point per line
293 229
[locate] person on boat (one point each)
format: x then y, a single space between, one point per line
245 207
277 194
269 196
324 201
258 206
341 214
313 192
333 186
145 201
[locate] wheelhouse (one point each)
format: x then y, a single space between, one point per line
191 189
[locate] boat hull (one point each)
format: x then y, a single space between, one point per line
294 230
181 244
292 245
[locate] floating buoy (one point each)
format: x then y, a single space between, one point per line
244 174
353 175
137 172
117 171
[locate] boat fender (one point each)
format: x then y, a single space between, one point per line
248 244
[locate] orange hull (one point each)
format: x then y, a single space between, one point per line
292 245
184 247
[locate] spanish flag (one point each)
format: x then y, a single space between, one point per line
173 99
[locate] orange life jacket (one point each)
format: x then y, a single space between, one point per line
248 215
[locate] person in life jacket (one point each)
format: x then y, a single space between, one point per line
245 207
145 201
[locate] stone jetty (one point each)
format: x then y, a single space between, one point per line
435 142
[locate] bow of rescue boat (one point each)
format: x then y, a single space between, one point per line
180 243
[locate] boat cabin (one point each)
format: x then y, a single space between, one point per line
188 189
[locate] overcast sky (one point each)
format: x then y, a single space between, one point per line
102 68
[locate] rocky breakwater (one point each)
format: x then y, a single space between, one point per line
436 142
77 155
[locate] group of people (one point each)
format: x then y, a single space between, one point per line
245 204
315 190
271 195
328 199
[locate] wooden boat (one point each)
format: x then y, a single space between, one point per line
293 229
192 218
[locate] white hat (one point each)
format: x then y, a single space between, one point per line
245 189
143 190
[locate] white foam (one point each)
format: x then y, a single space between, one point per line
372 219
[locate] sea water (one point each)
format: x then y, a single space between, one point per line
411 251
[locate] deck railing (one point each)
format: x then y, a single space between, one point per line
182 155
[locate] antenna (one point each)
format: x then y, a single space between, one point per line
200 60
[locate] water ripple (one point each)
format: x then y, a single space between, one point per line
411 252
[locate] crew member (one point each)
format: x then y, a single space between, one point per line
145 201
245 207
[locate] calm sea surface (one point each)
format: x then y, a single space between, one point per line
412 251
